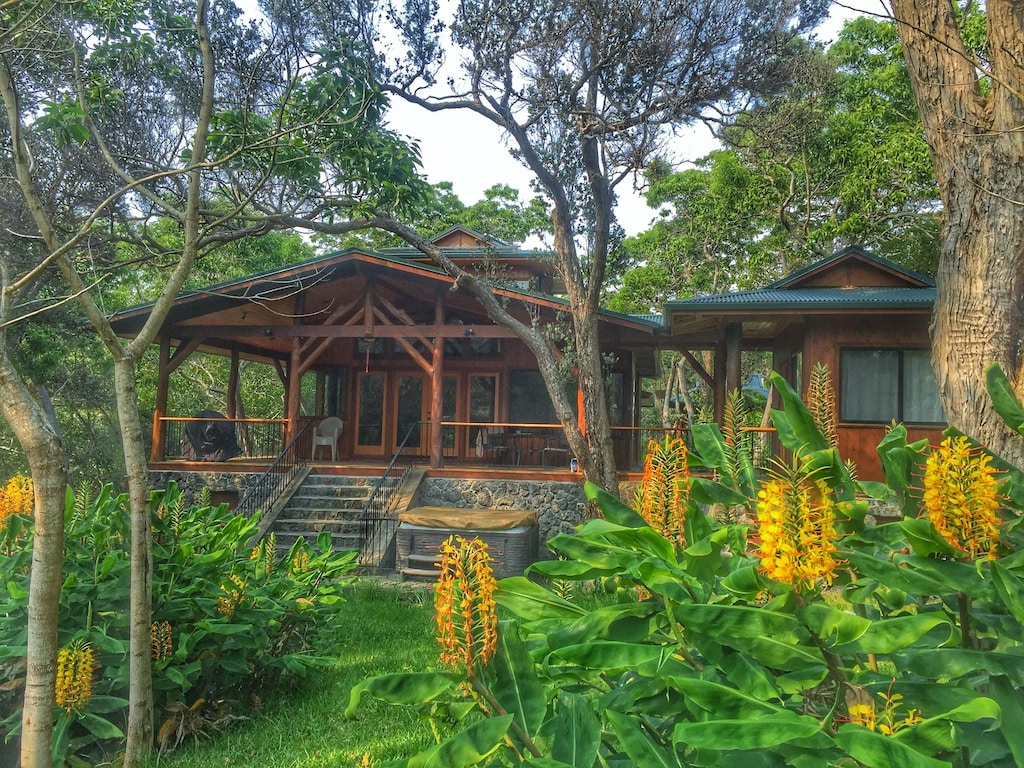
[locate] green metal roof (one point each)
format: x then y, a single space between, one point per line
808 299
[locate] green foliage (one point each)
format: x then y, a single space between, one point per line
696 658
229 621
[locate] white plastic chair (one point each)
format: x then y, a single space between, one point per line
327 433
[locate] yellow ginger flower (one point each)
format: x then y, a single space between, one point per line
961 498
890 720
300 563
796 532
467 621
76 664
161 640
228 604
662 497
16 498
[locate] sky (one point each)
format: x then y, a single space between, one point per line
467 150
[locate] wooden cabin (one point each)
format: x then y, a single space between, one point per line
866 318
406 360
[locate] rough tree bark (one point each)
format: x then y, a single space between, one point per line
45 455
972 113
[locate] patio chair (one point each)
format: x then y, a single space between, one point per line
327 433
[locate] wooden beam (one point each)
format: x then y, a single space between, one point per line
701 371
183 352
351 330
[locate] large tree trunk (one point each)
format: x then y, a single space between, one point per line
45 455
977 148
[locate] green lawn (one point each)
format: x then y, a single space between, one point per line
389 629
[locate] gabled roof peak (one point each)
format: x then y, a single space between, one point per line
461 236
837 271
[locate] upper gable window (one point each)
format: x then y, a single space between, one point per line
880 385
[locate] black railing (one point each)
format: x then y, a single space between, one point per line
265 492
377 516
219 438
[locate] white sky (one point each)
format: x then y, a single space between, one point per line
467 150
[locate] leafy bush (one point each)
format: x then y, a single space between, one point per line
800 637
228 620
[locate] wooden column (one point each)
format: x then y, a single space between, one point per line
159 433
733 356
233 386
718 376
293 400
437 390
727 366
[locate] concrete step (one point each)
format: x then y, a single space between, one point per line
339 541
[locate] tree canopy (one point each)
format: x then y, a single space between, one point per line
838 158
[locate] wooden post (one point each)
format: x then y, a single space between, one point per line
718 391
233 386
159 433
293 402
733 356
437 390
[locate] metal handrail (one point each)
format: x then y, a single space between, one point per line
271 484
377 509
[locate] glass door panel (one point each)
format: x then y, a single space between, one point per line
449 412
370 413
410 412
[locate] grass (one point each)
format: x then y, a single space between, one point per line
387 629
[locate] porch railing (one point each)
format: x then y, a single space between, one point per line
270 486
218 438
377 517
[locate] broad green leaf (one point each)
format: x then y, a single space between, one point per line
597 554
531 601
708 443
1011 590
800 427
1004 399
737 621
401 688
629 622
706 491
577 733
833 626
954 663
638 744
466 748
612 507
782 654
611 655
545 762
763 732
1007 696
890 635
875 750
722 701
516 686
935 733
99 727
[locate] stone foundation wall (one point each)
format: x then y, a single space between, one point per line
561 505
224 486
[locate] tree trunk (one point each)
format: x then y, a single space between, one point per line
45 455
140 671
976 146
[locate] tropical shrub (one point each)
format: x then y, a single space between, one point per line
228 619
803 637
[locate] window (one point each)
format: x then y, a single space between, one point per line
529 401
879 385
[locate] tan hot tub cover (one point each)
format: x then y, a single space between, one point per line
469 519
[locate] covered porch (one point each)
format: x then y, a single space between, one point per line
410 365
